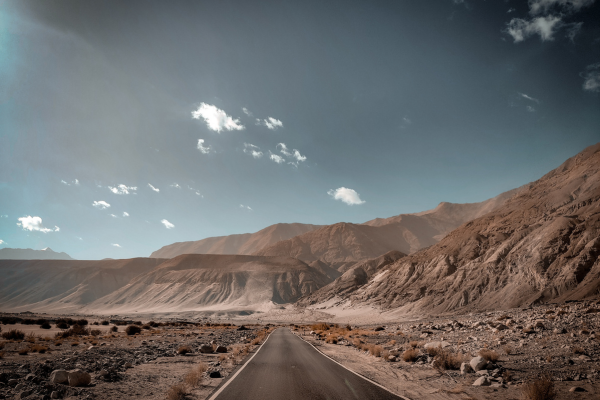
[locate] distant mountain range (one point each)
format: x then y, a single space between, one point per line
30 254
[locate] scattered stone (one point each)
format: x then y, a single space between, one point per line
214 374
59 376
221 349
577 389
78 377
482 381
478 363
206 348
465 368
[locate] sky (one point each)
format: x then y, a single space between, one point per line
127 126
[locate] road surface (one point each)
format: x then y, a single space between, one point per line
286 367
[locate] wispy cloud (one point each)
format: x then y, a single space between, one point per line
246 207
175 185
523 95
153 188
74 182
102 205
203 149
277 158
122 189
530 109
216 119
272 123
125 214
520 29
113 215
167 224
116 245
544 6
2 241
253 150
196 191
247 112
30 223
348 196
283 149
591 78
573 30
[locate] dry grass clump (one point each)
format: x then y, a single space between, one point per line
75 344
445 359
528 329
433 351
133 330
114 328
489 355
539 389
13 334
410 355
194 377
333 339
413 344
321 326
177 392
356 342
38 348
183 350
24 351
75 330
95 332
1 345
375 350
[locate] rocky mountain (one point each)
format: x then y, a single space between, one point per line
246 243
541 245
54 285
236 283
29 254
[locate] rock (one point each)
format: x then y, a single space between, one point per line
539 324
441 344
30 377
206 348
392 358
242 328
78 377
221 349
478 363
465 368
55 395
483 372
560 331
577 389
24 394
59 376
128 365
103 372
483 381
501 327
214 374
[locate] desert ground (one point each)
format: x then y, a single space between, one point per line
430 358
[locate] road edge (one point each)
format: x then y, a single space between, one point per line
218 392
354 372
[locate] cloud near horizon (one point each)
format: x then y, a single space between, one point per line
122 189
102 205
31 224
153 188
348 196
167 224
216 119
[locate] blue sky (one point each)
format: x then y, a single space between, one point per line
229 116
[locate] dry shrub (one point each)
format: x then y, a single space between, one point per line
528 330
489 355
321 326
433 351
75 330
58 343
445 359
375 350
75 344
539 389
177 392
114 328
222 357
507 376
1 355
95 332
357 342
410 355
194 377
133 330
549 359
38 348
183 350
1 345
24 351
333 339
413 344
13 334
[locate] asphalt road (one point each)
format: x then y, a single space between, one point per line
288 368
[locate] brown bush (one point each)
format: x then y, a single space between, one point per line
75 330
24 351
489 355
356 342
95 332
333 339
13 334
114 328
133 330
183 350
446 359
433 351
375 350
539 389
410 355
413 344
321 326
177 392
1 345
38 348
194 377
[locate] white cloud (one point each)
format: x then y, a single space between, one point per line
203 149
74 182
167 224
125 214
543 6
113 215
253 150
122 189
246 207
30 223
530 109
277 158
511 10
247 112
4 216
102 205
591 78
79 238
545 27
175 185
197 192
523 95
272 123
298 156
153 188
116 245
283 149
216 119
2 241
64 182
348 196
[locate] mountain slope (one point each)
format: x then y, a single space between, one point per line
246 243
30 254
64 285
541 245
215 282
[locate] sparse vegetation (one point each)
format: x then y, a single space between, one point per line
177 392
489 355
75 330
95 332
104 322
13 334
183 350
133 330
446 359
45 325
23 351
539 389
410 355
114 328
